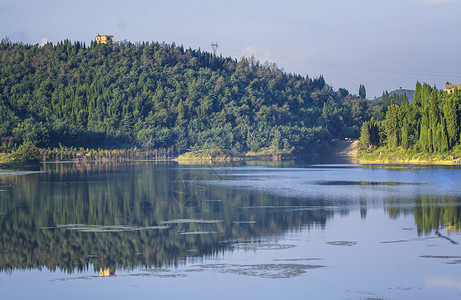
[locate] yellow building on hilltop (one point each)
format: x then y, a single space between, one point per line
104 39
450 88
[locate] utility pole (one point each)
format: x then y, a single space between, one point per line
214 47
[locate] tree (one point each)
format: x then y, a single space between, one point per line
362 91
26 154
343 92
392 126
404 134
417 95
450 111
365 138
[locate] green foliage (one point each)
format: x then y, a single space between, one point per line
392 125
25 154
369 135
431 124
161 96
365 139
362 91
389 100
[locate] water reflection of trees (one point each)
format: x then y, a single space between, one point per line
430 213
39 215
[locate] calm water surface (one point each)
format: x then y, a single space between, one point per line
249 231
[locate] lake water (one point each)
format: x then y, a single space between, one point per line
245 231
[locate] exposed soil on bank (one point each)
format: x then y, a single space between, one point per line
348 149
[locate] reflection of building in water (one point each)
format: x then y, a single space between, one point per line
106 272
452 229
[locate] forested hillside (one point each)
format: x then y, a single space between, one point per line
430 124
154 96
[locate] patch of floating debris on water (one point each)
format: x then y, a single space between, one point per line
259 246
297 259
182 221
162 273
439 256
342 243
107 228
263 270
408 240
452 260
244 222
410 288
197 232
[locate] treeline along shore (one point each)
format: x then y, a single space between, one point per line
155 100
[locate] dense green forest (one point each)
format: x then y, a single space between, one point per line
430 124
161 96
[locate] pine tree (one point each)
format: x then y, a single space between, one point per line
365 140
362 92
444 146
450 112
404 134
434 119
392 126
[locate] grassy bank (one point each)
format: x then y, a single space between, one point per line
383 155
219 154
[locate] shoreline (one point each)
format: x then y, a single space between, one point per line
223 155
408 162
347 149
401 158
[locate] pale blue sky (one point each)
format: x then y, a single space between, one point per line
381 44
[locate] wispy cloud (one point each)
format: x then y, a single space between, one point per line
260 53
437 2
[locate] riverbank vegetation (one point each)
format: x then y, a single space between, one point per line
425 131
159 96
24 155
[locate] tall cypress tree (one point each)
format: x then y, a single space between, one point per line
404 134
417 95
365 140
450 112
434 119
362 91
392 126
444 146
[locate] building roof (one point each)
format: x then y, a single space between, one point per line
451 87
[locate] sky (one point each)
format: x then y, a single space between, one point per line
382 44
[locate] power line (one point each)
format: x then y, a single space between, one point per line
361 68
214 47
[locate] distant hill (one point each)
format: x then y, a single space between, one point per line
401 92
160 96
